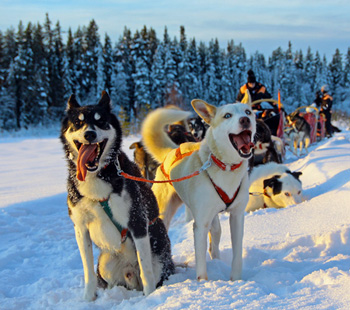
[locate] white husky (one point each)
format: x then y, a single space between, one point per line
227 147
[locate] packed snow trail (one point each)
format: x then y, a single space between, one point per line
294 258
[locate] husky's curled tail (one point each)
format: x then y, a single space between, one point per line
155 139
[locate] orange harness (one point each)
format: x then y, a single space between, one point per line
178 156
222 194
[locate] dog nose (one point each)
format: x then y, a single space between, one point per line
90 135
244 121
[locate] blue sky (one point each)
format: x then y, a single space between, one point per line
258 25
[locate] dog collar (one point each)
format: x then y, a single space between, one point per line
223 166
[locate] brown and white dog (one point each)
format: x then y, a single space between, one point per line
224 186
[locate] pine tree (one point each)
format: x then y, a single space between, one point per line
41 73
79 65
158 84
194 87
120 93
6 104
123 55
107 65
170 71
347 70
336 78
276 64
91 63
70 60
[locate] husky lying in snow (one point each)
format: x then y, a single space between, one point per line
273 186
120 216
227 146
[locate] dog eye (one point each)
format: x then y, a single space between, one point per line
287 194
299 192
77 123
248 112
228 115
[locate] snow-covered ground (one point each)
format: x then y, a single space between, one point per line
294 258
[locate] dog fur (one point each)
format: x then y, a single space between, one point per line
232 128
273 186
92 136
147 165
300 134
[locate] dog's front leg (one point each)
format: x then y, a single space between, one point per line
214 238
236 227
144 256
200 231
85 247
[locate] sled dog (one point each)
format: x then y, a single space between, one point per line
300 135
273 186
120 216
197 127
265 149
223 186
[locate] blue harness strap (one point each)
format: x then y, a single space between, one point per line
123 231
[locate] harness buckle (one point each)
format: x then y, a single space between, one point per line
117 165
206 165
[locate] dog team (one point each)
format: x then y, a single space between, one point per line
221 160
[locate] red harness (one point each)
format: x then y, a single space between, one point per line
222 194
224 197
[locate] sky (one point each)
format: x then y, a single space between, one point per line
322 25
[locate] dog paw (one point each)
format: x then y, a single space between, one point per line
148 289
202 278
90 296
131 279
90 292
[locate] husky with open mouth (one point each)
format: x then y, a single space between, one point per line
120 216
223 186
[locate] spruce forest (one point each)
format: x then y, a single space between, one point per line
39 71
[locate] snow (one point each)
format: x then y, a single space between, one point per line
293 258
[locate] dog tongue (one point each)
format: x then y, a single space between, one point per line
87 153
243 142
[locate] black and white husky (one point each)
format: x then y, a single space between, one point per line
120 216
273 185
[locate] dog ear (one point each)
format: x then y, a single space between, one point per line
296 174
72 102
135 145
272 182
205 110
105 101
247 99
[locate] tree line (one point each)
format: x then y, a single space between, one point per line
38 72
